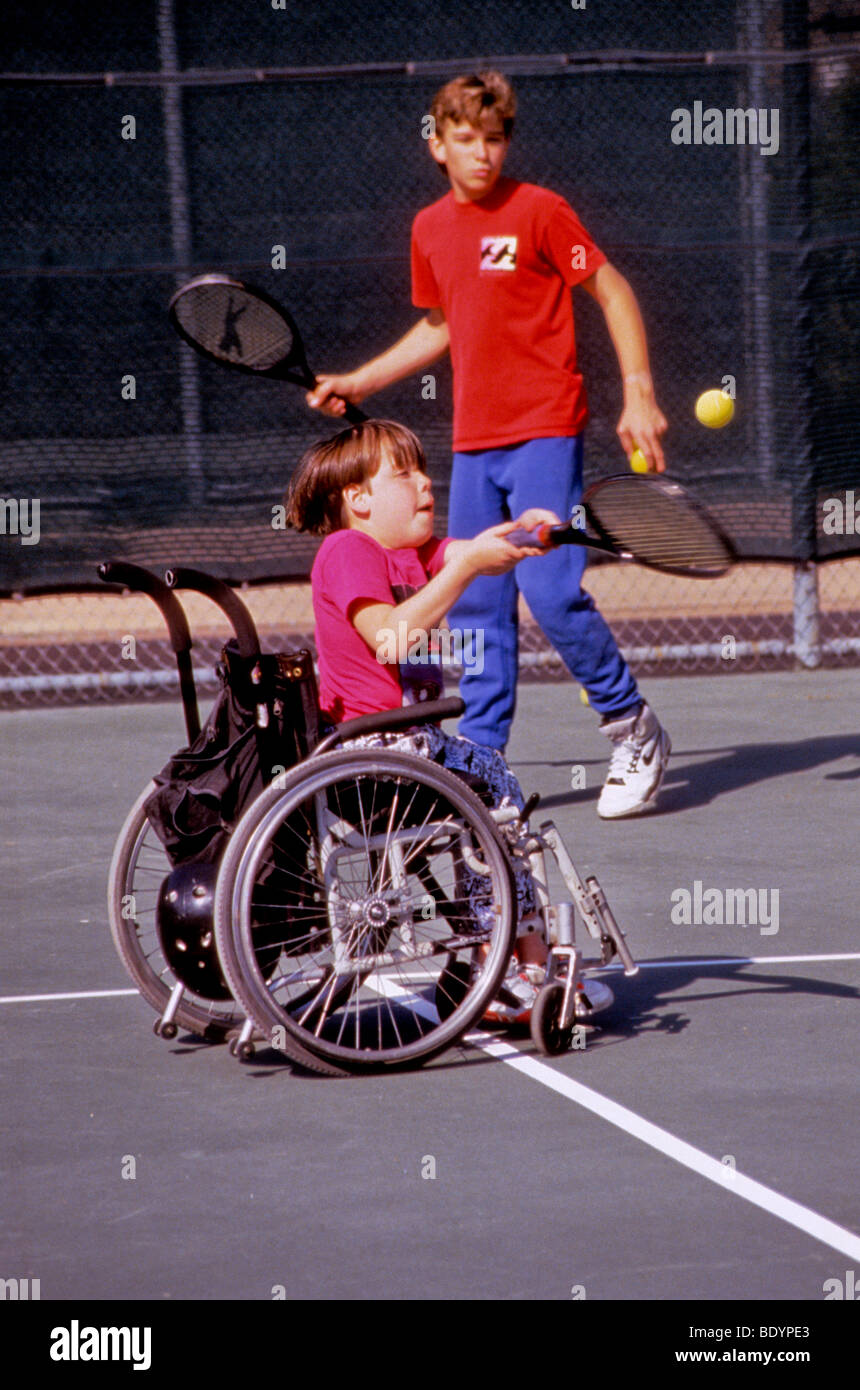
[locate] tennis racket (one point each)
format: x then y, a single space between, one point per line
647 519
245 329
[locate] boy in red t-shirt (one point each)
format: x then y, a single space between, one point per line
493 263
380 582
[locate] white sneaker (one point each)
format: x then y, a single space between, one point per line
516 997
639 759
592 997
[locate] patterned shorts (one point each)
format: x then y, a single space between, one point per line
461 755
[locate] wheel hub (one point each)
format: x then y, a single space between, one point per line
371 919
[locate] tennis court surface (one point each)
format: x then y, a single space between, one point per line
703 1145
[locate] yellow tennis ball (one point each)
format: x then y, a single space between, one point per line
583 695
638 461
714 409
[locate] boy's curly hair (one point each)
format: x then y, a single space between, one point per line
470 98
314 497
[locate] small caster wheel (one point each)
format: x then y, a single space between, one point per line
167 1031
244 1051
452 987
547 1036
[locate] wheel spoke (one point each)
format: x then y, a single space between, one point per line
370 912
138 868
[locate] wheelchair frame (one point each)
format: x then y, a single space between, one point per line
364 934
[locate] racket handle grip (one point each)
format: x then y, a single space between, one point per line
351 413
539 535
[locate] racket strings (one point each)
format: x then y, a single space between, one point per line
659 526
234 326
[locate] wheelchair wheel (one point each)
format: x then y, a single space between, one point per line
395 891
137 872
547 1034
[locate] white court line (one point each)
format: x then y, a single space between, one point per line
643 965
735 960
729 1179
82 994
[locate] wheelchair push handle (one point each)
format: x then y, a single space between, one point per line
230 604
248 642
143 581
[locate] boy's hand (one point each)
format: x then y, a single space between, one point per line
331 394
642 422
641 425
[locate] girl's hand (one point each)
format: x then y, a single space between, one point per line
490 553
533 517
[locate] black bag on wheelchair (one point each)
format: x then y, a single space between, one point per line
204 789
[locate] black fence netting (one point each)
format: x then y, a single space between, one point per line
145 142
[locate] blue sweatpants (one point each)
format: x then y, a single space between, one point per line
497 485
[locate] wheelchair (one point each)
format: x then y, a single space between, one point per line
354 908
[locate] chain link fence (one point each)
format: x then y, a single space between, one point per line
83 647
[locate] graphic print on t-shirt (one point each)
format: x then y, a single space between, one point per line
420 676
498 253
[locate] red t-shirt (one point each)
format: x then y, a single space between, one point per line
501 269
350 565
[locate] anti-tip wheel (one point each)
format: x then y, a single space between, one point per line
547 1036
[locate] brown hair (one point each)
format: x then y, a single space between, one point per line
314 497
471 98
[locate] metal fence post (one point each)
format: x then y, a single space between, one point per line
796 88
180 233
806 615
755 255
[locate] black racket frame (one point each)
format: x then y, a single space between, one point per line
567 534
294 367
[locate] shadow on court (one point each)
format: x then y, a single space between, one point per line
654 991
690 782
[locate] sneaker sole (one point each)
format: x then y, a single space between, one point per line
583 1013
513 1022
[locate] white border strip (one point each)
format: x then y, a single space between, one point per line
729 1179
731 960
83 994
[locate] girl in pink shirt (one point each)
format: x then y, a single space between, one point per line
381 582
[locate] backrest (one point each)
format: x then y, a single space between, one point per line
204 789
288 687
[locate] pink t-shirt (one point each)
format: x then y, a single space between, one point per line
352 566
501 269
